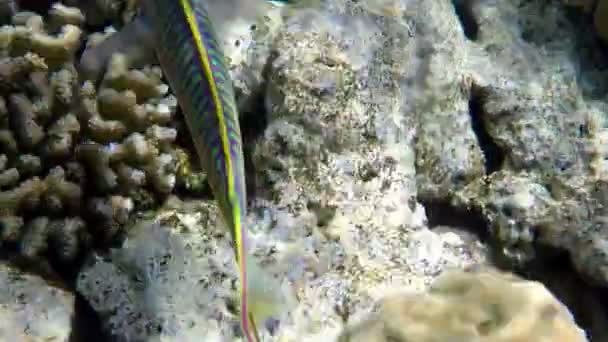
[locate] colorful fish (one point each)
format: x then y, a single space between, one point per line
191 57
181 36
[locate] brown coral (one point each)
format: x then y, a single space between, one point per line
480 306
65 147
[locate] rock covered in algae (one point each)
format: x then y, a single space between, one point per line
542 135
432 82
470 306
337 162
535 117
597 10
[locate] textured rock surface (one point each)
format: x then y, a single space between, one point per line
172 280
548 186
33 310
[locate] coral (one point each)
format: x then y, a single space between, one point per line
14 70
59 14
470 306
134 42
76 159
55 49
27 131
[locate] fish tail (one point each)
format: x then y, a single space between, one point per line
248 324
254 329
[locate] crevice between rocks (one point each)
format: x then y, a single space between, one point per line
464 11
442 213
493 154
86 324
38 6
254 121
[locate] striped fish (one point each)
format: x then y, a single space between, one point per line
191 56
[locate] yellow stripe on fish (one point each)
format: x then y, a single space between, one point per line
193 62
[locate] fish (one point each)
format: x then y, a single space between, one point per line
191 57
181 36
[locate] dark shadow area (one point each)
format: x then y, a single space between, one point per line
39 6
253 121
441 213
7 9
493 154
590 53
86 325
587 303
464 11
9 254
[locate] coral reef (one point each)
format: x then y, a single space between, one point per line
470 306
375 109
392 137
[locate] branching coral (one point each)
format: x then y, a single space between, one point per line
76 159
32 37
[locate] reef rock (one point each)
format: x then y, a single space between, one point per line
470 306
33 310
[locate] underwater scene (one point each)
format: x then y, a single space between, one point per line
304 170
